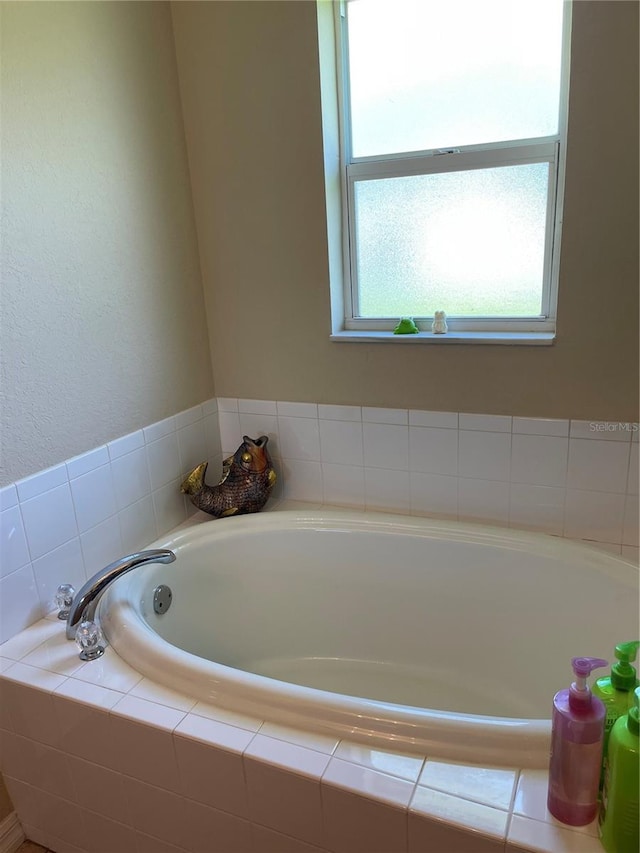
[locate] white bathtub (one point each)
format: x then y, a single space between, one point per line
416 635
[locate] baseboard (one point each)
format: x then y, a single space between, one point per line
11 834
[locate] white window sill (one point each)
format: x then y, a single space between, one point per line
539 339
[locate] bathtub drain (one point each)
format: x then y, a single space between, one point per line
162 596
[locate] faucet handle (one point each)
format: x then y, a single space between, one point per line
64 599
90 640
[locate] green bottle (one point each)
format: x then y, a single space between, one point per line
619 808
616 690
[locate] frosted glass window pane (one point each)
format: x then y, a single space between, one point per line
469 243
428 74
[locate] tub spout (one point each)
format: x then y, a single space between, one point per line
84 604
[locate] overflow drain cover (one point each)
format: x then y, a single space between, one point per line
162 596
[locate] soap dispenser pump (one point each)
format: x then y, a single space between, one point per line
616 689
577 730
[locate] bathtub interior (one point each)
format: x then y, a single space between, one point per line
421 615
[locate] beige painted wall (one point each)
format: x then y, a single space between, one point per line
103 322
250 87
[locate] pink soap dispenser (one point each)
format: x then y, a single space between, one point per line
577 731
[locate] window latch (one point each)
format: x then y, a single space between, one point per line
447 151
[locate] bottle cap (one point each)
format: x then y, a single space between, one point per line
623 675
579 693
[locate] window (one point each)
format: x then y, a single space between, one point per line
452 133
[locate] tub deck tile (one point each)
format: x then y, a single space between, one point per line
490 786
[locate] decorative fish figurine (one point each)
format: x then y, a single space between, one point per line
247 480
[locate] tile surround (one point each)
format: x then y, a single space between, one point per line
62 524
76 757
575 479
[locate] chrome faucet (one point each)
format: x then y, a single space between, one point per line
84 604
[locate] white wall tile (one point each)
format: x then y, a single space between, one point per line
297 410
596 465
147 844
227 404
169 507
426 834
358 824
485 455
483 500
80 465
541 426
212 436
258 407
62 565
97 788
43 481
540 460
267 841
94 497
188 417
230 432
343 485
285 802
538 508
126 444
385 416
143 752
14 553
386 446
130 477
49 520
594 515
155 812
386 490
341 442
433 450
164 460
192 446
630 525
137 525
603 430
339 413
101 545
632 481
159 430
441 420
460 812
19 602
212 771
488 423
433 494
215 831
302 480
8 497
299 439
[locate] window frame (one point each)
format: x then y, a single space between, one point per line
549 149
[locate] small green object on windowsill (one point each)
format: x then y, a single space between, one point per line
406 326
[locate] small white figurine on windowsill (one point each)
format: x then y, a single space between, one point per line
439 325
